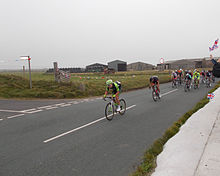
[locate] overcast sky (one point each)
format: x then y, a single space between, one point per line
76 33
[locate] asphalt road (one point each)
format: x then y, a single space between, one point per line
72 137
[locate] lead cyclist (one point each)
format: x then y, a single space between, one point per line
115 92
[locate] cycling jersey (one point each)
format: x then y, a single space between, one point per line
208 74
203 73
174 75
115 88
188 77
179 72
196 75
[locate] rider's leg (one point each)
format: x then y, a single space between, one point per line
158 86
117 102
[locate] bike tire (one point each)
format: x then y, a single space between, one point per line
154 96
185 88
122 107
109 108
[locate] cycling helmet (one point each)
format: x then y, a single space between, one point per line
109 82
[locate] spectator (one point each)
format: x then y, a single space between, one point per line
216 67
213 60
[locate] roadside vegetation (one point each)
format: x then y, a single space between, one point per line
16 85
148 163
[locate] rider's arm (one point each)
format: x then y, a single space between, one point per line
106 91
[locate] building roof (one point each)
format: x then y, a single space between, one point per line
119 61
95 64
140 63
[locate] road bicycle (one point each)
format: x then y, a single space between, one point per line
179 81
196 83
174 83
203 81
213 79
155 93
110 108
207 82
187 86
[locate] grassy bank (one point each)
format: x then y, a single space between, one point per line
80 85
149 159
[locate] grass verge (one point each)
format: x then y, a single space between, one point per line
149 159
14 86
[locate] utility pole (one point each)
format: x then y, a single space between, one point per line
29 64
23 71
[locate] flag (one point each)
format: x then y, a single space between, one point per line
214 46
210 96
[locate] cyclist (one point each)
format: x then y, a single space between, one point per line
116 88
202 74
188 79
174 76
155 80
180 73
190 72
208 75
196 77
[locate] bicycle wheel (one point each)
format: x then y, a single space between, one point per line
185 88
208 83
109 111
154 95
172 84
122 107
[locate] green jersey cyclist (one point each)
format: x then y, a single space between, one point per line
116 88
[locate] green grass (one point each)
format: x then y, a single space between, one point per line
81 85
148 163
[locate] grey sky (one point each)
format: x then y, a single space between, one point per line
76 33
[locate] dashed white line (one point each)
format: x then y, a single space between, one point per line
44 107
51 108
15 116
76 129
5 110
27 110
35 111
59 104
1 119
169 92
65 105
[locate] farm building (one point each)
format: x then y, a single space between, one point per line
118 65
185 64
96 67
139 66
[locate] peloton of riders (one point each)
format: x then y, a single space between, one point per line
187 75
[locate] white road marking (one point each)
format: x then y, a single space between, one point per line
59 104
35 111
169 92
44 107
5 110
51 108
1 119
15 116
27 110
76 129
65 105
